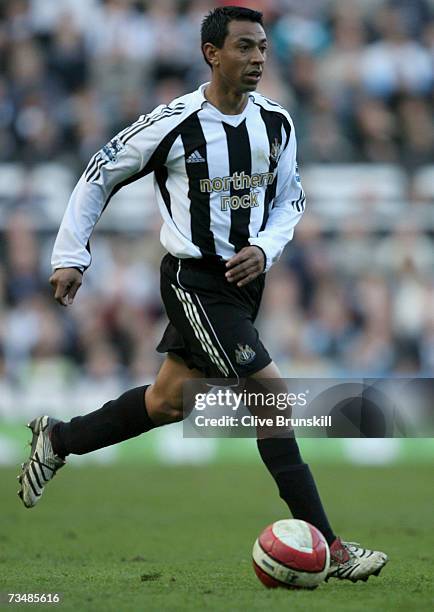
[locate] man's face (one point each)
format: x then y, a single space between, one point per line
242 57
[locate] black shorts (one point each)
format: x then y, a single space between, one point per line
211 320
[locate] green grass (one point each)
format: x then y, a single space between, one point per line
138 538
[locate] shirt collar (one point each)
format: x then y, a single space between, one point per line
201 95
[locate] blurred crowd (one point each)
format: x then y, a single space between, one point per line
357 77
350 302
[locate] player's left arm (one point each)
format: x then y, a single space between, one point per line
246 265
288 206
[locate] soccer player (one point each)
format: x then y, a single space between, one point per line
228 189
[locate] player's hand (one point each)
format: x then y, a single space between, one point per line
245 266
65 282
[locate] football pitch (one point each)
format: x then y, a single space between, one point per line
131 538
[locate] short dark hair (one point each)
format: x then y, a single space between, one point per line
215 25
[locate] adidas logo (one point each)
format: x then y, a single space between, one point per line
195 158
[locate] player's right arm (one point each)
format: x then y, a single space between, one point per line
132 154
65 282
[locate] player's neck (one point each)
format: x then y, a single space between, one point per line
226 100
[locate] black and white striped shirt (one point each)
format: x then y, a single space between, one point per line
222 182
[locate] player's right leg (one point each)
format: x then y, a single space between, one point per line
133 413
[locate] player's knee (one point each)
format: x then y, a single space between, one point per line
164 413
163 410
173 413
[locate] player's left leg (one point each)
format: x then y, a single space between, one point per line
297 488
135 412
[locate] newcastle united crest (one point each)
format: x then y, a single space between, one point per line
244 354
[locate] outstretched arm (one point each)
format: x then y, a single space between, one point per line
133 153
71 253
106 172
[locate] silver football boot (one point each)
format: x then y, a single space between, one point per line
42 464
349 561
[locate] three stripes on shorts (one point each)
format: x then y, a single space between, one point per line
200 331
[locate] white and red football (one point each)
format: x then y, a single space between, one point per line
292 554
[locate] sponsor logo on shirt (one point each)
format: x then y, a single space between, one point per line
234 202
238 181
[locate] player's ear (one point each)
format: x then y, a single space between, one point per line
211 53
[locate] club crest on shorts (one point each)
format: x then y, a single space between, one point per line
111 149
275 151
244 354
